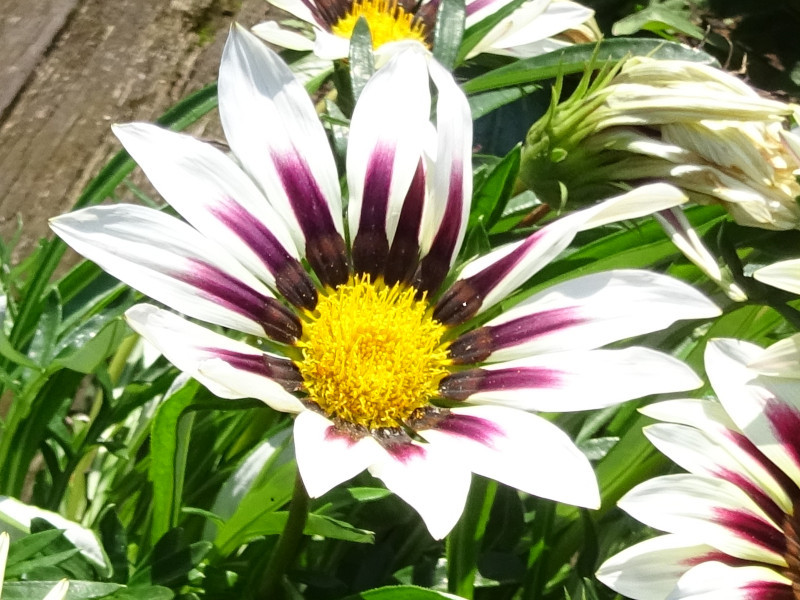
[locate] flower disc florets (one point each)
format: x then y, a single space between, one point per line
388 22
372 354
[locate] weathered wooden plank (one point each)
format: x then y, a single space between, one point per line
26 32
112 62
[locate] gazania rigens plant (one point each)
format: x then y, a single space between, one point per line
391 360
732 521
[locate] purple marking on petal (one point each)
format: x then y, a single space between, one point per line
404 253
290 278
332 434
474 428
524 329
755 493
370 245
716 556
751 528
216 285
487 279
405 453
476 5
308 203
463 384
745 444
785 423
280 370
768 590
434 267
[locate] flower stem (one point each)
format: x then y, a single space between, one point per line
285 551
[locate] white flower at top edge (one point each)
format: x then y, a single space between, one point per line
385 367
732 521
536 27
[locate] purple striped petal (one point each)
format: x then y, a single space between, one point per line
404 253
371 246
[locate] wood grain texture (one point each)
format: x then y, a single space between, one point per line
81 65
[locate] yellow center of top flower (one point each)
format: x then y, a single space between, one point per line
372 355
387 22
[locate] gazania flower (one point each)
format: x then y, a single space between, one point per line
536 27
732 521
688 124
386 368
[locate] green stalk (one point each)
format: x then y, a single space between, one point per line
285 551
464 542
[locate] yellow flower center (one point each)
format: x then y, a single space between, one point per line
372 354
387 22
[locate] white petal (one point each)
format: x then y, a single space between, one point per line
4 543
298 8
165 259
327 457
196 350
766 409
211 192
718 581
59 592
784 275
383 153
430 481
519 449
709 509
572 381
781 359
500 272
594 310
273 129
650 569
272 32
330 46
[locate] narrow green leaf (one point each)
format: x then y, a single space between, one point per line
49 560
164 459
473 35
658 19
492 196
362 65
24 548
574 59
400 592
87 346
78 590
449 32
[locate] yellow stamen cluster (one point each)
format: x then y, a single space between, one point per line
372 355
387 22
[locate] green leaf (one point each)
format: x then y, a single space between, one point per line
114 538
400 592
165 462
171 561
574 59
89 345
8 351
44 338
48 560
658 19
449 32
335 529
142 593
29 545
362 65
78 590
492 195
483 103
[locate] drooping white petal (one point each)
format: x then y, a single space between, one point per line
495 275
519 449
166 259
327 457
272 127
594 310
572 381
196 350
784 275
718 581
382 154
213 194
781 359
330 46
710 509
272 32
766 409
429 480
650 569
